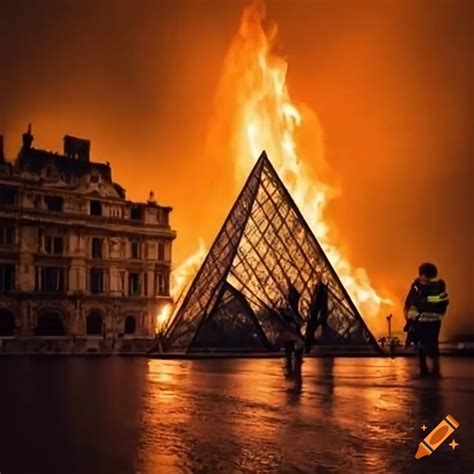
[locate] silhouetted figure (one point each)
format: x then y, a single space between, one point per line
294 348
288 363
425 306
298 357
293 299
289 349
392 347
318 313
291 338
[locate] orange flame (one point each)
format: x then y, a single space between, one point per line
180 280
254 98
254 101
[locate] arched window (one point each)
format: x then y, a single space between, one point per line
7 323
50 324
94 324
130 325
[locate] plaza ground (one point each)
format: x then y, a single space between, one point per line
134 415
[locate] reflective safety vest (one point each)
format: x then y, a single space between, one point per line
427 302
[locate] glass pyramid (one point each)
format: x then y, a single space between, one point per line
265 274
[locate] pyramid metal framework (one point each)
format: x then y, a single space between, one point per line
264 274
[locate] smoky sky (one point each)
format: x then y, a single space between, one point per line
391 84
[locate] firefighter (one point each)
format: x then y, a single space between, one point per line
425 306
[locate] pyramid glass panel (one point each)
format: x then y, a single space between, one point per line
231 326
264 268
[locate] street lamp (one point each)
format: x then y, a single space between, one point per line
389 322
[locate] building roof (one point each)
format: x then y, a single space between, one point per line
41 161
71 169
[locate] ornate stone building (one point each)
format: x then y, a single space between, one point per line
77 259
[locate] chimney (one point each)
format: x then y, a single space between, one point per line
76 148
28 137
2 155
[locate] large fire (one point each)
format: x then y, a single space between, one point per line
180 279
254 104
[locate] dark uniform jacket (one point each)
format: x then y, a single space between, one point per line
430 299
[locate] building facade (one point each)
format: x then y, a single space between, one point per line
77 259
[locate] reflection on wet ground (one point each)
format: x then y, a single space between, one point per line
134 415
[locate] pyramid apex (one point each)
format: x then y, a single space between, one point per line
262 263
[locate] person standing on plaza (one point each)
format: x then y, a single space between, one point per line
425 306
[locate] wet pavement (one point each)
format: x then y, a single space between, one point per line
132 415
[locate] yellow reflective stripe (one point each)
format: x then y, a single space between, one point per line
430 317
437 298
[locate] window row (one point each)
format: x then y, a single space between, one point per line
137 212
54 280
95 324
138 250
8 197
55 245
137 283
51 323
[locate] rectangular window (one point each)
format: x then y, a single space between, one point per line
37 201
7 278
136 213
135 249
95 208
7 196
48 244
122 282
162 284
7 236
58 245
161 251
53 245
134 284
97 247
54 203
52 279
96 276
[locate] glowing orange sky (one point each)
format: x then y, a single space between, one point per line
389 82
